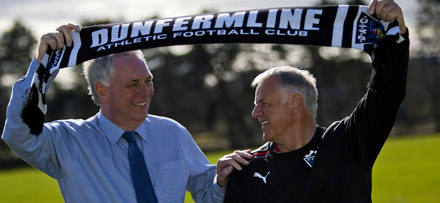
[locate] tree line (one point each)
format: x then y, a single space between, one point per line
207 87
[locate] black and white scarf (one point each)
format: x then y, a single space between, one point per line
336 26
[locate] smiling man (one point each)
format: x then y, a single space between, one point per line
304 162
126 99
122 154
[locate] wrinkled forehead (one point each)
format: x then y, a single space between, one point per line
266 87
131 66
270 88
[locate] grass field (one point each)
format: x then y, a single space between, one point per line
407 170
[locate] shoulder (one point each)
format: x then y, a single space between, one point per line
161 121
165 123
262 150
69 123
73 124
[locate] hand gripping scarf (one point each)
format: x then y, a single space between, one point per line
336 26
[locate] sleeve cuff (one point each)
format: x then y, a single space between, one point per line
403 37
30 73
32 68
219 190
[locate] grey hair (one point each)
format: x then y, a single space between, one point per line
101 70
296 81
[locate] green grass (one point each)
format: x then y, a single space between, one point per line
28 185
407 170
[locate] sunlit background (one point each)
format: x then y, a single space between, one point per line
206 87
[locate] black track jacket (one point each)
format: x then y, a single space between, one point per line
336 165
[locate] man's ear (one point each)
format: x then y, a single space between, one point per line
101 90
296 104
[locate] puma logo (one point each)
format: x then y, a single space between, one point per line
258 175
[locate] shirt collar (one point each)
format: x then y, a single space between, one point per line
114 132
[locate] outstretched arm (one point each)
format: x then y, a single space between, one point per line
370 124
36 150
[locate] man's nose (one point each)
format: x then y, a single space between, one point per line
256 112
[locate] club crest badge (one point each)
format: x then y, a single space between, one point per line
310 158
369 30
